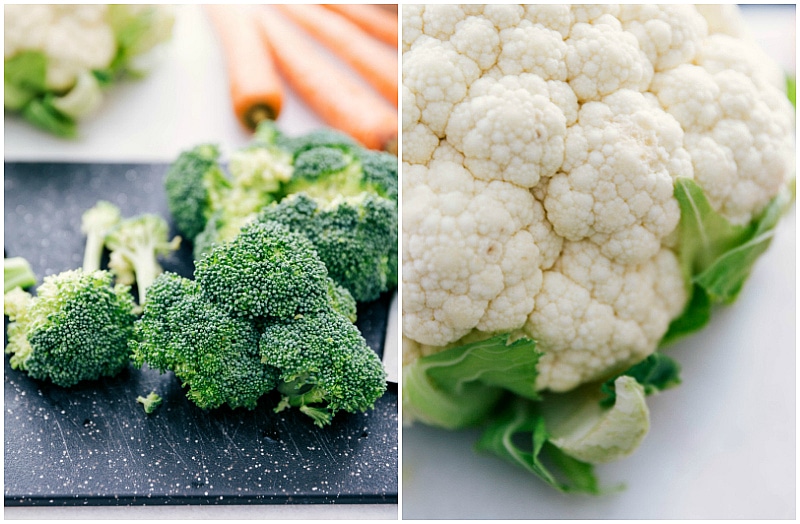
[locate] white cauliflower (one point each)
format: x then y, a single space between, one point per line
555 162
59 57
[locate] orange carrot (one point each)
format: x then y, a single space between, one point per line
330 91
377 21
256 90
373 60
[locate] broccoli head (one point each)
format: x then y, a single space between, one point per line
356 238
195 185
324 363
213 354
76 328
266 271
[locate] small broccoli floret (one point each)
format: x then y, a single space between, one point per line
330 172
356 238
17 273
150 402
266 271
325 365
213 354
75 329
380 172
96 222
195 185
135 245
341 301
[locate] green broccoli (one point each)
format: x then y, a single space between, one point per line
223 334
135 245
330 172
267 270
195 185
325 365
96 222
17 273
214 355
356 238
150 402
76 328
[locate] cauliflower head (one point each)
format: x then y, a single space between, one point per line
559 166
58 58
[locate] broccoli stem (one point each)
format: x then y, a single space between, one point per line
17 272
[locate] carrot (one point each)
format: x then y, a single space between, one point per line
373 60
377 21
331 92
256 90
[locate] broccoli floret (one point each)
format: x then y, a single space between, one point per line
195 185
330 172
135 245
17 273
75 329
150 402
214 355
356 238
266 271
342 301
325 365
96 222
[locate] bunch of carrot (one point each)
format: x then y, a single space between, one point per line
267 45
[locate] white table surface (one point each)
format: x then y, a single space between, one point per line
721 446
182 102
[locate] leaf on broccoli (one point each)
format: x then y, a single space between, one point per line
459 387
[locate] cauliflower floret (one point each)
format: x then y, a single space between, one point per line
594 316
557 17
602 58
616 183
491 283
739 135
438 75
529 48
669 35
509 130
478 39
74 38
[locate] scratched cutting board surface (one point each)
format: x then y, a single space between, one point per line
94 445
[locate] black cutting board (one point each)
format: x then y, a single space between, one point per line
94 445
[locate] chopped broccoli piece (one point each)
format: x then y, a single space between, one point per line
325 365
150 402
17 273
267 270
96 222
75 329
214 354
356 238
194 185
135 245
